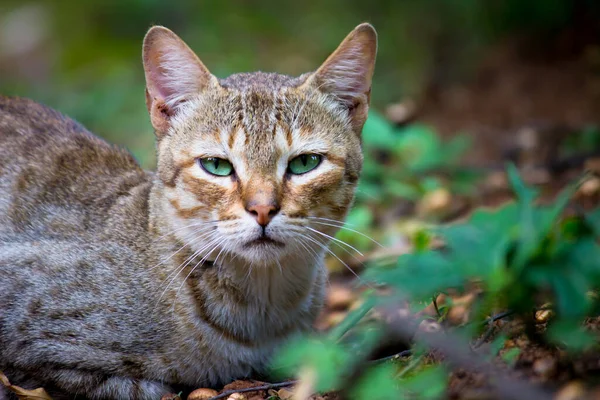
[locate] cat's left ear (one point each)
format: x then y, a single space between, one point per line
174 74
347 72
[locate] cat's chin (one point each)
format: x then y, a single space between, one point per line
263 242
263 251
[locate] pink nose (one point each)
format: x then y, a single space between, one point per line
263 213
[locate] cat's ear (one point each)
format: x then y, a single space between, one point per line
347 72
174 74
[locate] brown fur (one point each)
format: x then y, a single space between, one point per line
120 283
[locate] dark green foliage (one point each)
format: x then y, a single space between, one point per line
522 256
406 162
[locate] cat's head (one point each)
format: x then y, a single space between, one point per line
258 165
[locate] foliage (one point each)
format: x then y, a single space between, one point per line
520 256
403 162
403 165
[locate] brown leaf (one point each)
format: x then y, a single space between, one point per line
285 394
24 394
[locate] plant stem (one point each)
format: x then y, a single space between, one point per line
411 366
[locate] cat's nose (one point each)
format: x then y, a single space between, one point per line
263 213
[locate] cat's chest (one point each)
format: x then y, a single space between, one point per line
219 340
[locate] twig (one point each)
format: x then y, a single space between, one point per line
490 330
486 336
499 316
404 353
458 353
437 310
267 386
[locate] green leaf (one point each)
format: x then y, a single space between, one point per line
419 149
497 345
569 333
328 359
524 193
378 132
593 219
419 275
511 355
377 383
428 383
421 241
570 288
352 318
403 190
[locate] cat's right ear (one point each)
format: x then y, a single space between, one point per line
174 74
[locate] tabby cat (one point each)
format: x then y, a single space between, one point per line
117 282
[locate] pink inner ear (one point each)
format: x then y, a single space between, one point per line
348 71
173 72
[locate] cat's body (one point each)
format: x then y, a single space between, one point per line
120 283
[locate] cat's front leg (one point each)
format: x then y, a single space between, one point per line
76 383
117 387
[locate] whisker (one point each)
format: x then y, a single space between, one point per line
341 223
197 223
339 259
200 263
349 253
195 239
351 230
334 239
181 268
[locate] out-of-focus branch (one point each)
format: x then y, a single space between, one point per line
458 353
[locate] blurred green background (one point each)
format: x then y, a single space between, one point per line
84 57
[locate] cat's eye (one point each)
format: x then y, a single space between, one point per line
304 163
216 166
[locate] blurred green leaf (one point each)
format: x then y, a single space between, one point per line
428 383
511 355
570 334
377 383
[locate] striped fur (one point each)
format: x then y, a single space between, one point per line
121 283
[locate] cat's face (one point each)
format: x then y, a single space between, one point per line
258 165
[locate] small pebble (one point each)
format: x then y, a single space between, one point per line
544 367
202 394
542 316
434 202
571 391
590 187
429 326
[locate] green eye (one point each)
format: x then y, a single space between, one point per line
304 163
216 166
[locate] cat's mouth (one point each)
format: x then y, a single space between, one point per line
263 241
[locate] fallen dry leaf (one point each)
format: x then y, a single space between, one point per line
170 396
285 394
24 394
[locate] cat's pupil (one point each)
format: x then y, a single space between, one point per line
304 159
216 161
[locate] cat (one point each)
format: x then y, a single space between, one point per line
117 282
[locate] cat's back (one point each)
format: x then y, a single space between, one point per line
56 177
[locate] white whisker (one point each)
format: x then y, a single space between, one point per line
339 259
348 229
334 239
